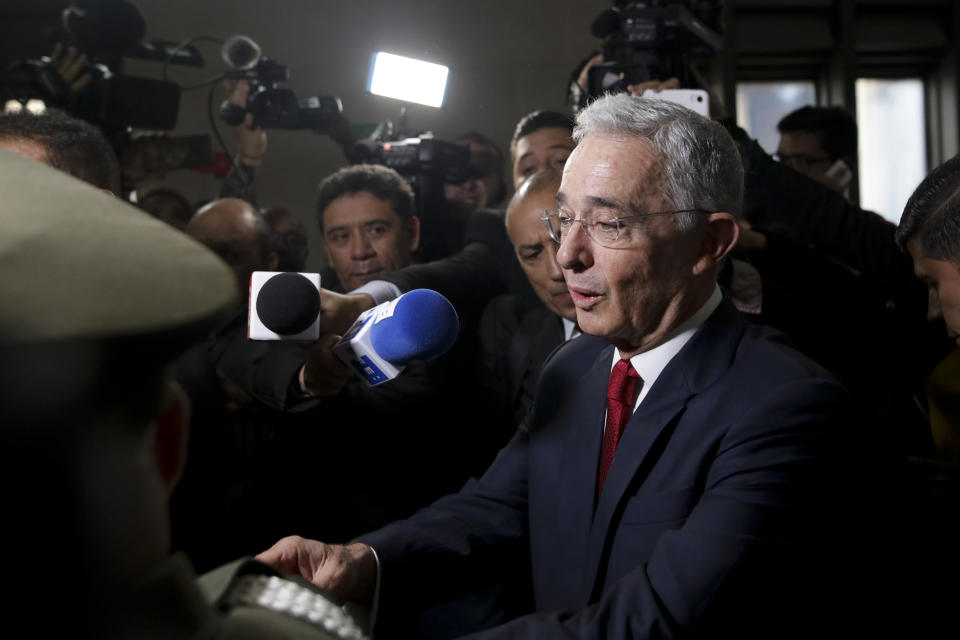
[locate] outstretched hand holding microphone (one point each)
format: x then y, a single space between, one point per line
382 340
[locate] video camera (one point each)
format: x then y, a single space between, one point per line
652 40
424 161
106 31
272 107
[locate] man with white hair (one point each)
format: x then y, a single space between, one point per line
674 473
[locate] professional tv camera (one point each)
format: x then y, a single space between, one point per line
272 107
652 40
106 31
424 161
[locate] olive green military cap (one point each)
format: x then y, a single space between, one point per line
79 264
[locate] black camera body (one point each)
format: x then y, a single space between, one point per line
106 31
425 162
276 107
425 158
652 40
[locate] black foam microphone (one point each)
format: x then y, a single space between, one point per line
606 23
240 52
284 306
104 25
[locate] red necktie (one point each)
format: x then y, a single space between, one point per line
620 397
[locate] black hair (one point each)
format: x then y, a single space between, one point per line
72 145
537 120
932 214
379 181
836 126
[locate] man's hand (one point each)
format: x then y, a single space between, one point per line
655 85
339 310
324 374
72 66
750 241
251 141
348 573
585 72
717 109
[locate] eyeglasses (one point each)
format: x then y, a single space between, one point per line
612 233
799 161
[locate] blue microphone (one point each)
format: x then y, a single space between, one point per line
418 326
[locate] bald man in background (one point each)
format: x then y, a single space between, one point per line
236 232
517 333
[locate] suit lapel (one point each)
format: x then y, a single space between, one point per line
700 363
581 451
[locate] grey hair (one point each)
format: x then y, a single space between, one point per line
702 168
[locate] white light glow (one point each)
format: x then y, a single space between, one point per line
33 106
408 79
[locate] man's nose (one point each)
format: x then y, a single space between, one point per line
575 249
360 246
553 267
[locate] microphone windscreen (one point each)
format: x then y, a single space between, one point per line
423 325
288 303
606 23
240 52
104 25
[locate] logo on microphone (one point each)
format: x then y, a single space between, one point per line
370 372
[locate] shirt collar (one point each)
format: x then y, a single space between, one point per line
650 364
570 329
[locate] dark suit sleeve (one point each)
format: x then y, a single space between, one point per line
484 268
468 279
450 546
740 557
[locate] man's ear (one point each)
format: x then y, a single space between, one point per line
413 228
720 238
172 429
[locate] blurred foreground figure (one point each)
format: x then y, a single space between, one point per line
63 142
93 430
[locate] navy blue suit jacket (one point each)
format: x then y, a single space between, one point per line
710 512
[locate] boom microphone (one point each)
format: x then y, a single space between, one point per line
240 52
418 326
